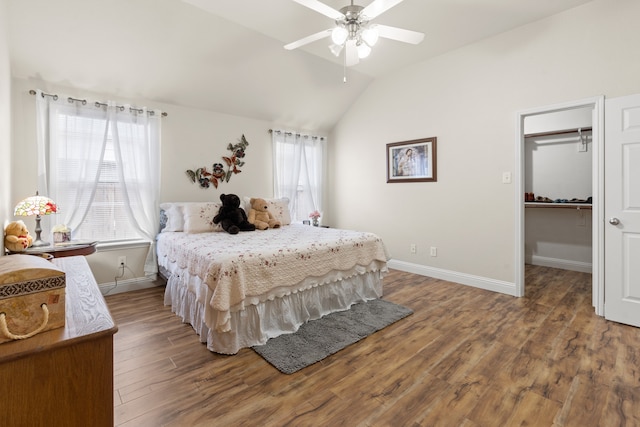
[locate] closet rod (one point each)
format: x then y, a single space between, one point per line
84 102
557 132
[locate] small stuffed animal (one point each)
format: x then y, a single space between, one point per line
260 216
231 216
17 237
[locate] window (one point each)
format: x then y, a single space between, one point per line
100 163
103 202
299 171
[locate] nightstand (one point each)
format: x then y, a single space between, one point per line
62 250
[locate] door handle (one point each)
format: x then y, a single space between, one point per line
614 221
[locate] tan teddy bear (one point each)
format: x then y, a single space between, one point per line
17 237
260 216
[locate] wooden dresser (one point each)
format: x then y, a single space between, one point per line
63 377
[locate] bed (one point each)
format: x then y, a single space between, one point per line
239 290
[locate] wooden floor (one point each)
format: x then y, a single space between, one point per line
466 357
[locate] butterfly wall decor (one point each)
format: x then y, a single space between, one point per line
219 173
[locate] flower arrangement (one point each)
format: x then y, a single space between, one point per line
315 216
60 228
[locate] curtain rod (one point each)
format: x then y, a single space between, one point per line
97 104
297 134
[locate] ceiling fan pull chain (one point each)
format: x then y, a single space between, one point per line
344 65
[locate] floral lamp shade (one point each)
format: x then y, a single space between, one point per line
36 205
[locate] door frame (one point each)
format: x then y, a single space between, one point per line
597 266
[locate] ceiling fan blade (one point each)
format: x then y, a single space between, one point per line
313 37
378 7
351 53
399 34
322 8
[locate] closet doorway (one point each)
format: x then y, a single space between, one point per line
559 187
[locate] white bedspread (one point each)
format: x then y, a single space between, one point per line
252 267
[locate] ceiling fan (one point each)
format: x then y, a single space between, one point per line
353 31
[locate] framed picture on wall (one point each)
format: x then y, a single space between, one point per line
412 161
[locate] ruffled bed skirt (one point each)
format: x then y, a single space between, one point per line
256 323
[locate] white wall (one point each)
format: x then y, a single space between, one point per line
468 99
559 120
560 238
190 138
5 126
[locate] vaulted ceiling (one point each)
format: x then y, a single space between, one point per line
228 56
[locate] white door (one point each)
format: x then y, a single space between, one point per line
622 210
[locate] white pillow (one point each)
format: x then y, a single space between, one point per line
279 208
175 217
198 217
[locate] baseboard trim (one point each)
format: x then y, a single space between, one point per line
456 277
127 285
503 287
564 264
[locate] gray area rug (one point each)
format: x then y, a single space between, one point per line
320 338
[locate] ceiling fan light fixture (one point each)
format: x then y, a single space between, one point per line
339 35
370 36
336 49
363 50
353 34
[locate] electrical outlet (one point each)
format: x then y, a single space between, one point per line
434 251
413 248
122 261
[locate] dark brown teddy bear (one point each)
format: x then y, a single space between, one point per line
231 217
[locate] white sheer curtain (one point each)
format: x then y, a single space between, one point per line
79 134
136 139
79 144
298 165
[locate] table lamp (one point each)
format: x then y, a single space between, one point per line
36 205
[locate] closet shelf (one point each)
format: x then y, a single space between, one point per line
550 205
